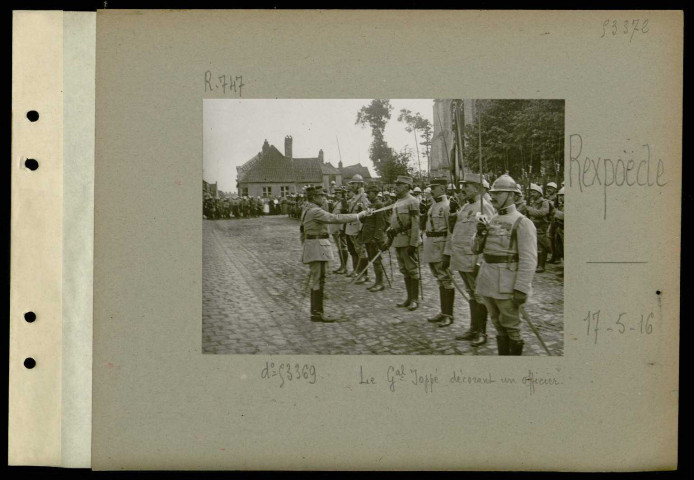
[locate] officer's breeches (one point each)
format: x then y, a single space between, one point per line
470 279
406 264
505 316
372 249
316 278
359 247
442 276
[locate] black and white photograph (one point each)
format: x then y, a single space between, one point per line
383 226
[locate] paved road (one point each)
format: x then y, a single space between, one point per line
255 300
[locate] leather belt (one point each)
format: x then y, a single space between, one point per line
317 237
437 234
501 258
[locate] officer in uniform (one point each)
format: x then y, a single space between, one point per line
539 213
509 245
403 234
317 247
434 245
558 226
551 195
520 201
337 231
373 237
459 252
356 204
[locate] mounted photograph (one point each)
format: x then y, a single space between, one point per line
383 227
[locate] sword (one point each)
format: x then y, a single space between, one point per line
457 287
366 268
390 262
524 314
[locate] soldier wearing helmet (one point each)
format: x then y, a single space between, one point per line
357 203
459 255
317 251
558 226
373 236
539 211
436 225
508 244
520 201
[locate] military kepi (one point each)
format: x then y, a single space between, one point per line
404 179
438 181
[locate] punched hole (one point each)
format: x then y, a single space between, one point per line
29 363
31 164
30 317
658 292
32 115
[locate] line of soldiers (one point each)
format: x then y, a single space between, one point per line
482 236
225 208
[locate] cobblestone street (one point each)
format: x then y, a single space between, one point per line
256 300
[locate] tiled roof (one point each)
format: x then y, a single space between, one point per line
274 167
328 169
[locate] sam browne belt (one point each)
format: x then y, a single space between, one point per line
500 258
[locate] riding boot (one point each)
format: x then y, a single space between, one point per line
502 342
355 259
442 301
449 296
407 302
481 324
342 269
319 308
541 259
414 302
360 268
378 285
315 306
516 347
471 334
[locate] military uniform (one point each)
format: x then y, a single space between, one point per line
360 257
404 234
508 265
539 214
434 245
466 262
338 233
373 237
317 249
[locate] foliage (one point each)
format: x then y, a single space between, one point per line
419 125
376 115
523 137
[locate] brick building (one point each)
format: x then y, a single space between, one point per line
272 173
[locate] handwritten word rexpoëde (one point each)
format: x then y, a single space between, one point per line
233 84
637 170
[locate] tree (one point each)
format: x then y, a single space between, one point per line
415 123
522 137
376 115
397 164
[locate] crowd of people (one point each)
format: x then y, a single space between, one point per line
495 239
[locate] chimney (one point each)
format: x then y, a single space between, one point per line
320 155
288 146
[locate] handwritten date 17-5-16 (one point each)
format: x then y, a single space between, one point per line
614 27
623 324
288 372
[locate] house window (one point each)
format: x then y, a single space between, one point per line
244 191
284 191
267 191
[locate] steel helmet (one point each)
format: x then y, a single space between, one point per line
451 187
504 184
518 190
427 190
561 191
417 190
552 184
357 179
536 188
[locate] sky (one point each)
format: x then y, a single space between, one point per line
235 129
